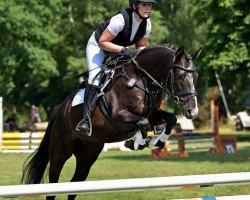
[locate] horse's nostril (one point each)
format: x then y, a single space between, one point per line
189 112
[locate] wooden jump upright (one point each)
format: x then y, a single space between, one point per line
215 128
181 137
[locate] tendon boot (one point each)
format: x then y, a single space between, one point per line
85 126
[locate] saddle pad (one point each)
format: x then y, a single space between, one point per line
78 98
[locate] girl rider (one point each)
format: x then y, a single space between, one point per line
128 27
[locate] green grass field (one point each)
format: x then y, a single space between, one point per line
119 165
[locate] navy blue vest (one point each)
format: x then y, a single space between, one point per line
123 38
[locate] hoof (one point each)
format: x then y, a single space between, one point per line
129 144
153 144
141 147
150 142
160 144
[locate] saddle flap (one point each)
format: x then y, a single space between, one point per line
78 98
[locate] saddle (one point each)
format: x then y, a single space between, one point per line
111 70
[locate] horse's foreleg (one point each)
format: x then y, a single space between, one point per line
125 116
170 120
138 142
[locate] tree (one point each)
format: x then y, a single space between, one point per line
43 46
227 47
179 19
26 37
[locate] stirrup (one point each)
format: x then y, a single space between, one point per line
87 132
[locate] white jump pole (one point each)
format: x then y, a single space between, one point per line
239 197
173 182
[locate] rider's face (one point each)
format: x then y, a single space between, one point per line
144 9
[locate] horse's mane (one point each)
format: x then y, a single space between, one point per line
165 45
168 46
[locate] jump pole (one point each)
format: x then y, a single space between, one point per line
239 197
20 142
173 182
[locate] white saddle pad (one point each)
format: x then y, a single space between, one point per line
78 98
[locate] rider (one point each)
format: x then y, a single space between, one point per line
129 26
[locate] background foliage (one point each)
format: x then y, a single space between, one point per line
43 46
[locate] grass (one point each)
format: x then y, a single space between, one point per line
119 165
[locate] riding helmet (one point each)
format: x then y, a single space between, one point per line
143 1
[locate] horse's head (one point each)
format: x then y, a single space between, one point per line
183 77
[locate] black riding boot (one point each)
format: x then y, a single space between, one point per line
84 126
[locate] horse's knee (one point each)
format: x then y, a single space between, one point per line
144 125
172 120
170 123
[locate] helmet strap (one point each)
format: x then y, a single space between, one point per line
140 17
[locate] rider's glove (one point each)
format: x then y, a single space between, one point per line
128 53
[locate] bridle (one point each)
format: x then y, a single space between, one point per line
171 89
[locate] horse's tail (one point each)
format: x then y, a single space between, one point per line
35 165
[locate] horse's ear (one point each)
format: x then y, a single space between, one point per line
196 54
179 53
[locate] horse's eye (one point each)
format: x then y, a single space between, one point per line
180 78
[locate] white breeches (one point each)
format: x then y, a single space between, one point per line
95 57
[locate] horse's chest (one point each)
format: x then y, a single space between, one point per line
138 106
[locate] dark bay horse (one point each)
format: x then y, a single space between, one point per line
130 103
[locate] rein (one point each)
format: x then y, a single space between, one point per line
155 82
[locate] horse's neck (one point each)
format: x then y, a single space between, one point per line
156 61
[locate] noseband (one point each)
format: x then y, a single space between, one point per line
171 90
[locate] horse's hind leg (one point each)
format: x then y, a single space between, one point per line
56 164
59 153
85 155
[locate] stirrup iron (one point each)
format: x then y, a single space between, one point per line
85 133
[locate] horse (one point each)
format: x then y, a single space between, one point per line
130 102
